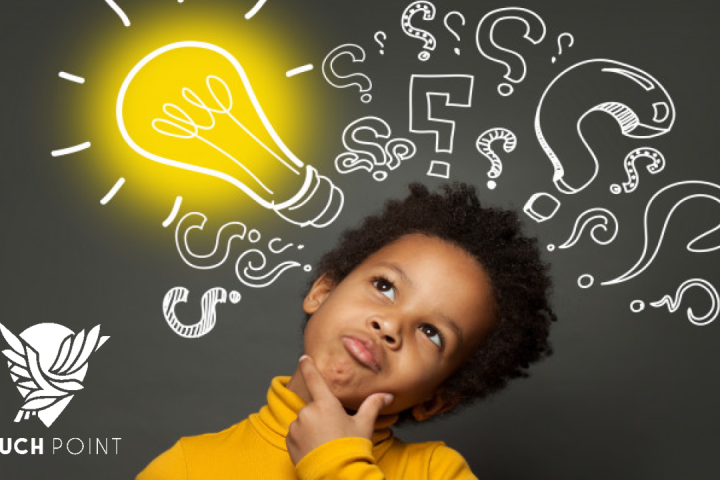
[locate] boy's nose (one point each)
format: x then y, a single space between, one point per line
387 332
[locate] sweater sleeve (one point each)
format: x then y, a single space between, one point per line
170 465
347 458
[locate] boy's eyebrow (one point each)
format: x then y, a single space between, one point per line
454 326
396 268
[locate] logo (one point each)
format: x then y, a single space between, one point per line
47 363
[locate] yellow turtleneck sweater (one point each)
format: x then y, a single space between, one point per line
255 449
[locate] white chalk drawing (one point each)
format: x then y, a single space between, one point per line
256 8
299 70
428 14
377 153
208 316
513 61
173 213
252 274
570 42
673 302
451 30
70 77
67 151
484 146
638 103
656 165
283 248
119 12
455 91
192 223
380 38
662 205
48 363
180 125
585 281
338 80
113 191
541 206
596 220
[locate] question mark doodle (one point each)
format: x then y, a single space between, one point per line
283 248
488 47
196 221
638 103
453 32
662 205
428 11
248 273
368 155
379 41
657 163
455 91
207 321
357 55
559 42
483 144
673 303
602 219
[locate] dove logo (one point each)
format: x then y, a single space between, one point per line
47 363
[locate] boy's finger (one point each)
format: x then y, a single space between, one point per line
370 408
314 380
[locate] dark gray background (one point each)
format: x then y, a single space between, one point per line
626 395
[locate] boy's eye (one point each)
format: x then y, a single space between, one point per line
433 334
385 287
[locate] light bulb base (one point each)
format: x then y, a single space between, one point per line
318 202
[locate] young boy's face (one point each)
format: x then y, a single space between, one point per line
401 322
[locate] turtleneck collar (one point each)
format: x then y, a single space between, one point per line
274 419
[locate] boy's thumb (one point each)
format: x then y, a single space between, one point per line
370 408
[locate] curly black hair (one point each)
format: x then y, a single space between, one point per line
520 280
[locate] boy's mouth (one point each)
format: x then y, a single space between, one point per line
364 351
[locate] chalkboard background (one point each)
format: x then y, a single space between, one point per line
626 394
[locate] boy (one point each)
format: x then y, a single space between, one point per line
430 305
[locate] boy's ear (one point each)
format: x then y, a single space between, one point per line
435 405
317 294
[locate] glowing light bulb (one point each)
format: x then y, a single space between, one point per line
190 105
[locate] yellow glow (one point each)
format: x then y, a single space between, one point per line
266 50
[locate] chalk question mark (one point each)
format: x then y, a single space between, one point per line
514 62
656 165
571 41
337 80
428 13
673 303
380 41
208 318
252 275
453 32
638 103
484 146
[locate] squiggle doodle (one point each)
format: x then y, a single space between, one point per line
604 220
208 318
657 163
483 144
673 303
357 55
638 103
428 11
196 221
488 47
249 274
662 205
371 155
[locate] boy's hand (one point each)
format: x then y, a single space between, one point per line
324 419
